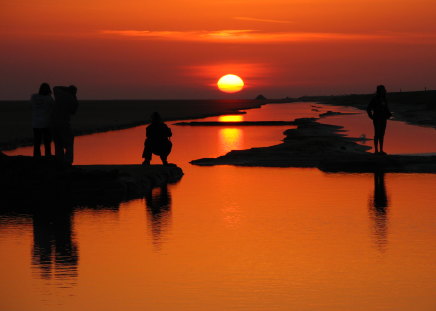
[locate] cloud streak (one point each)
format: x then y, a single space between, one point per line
262 20
254 36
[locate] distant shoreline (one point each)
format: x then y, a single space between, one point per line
417 108
96 116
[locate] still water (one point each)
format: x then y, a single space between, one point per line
233 238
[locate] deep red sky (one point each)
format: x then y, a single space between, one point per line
178 49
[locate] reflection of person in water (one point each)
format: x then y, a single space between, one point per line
158 203
157 140
379 112
54 249
379 210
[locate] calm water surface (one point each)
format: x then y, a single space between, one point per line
233 238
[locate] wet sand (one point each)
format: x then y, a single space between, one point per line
99 116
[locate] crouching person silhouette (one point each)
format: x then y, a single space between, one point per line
157 140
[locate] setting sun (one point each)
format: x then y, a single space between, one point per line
230 83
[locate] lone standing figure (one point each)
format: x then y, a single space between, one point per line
379 112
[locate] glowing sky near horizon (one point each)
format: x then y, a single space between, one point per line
178 49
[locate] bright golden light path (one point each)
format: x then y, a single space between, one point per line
231 118
230 83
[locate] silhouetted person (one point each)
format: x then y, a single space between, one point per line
42 112
378 111
65 106
157 140
379 205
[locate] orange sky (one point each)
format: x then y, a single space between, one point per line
179 49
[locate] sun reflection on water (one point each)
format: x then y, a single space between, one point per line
231 118
230 139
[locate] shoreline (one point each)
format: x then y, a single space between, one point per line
25 178
323 146
103 116
416 108
97 116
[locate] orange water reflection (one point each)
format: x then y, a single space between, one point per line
379 204
231 118
230 139
158 206
233 238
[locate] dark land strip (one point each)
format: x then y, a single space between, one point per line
323 146
29 179
417 108
94 116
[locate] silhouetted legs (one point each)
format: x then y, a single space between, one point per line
379 134
64 144
147 154
41 135
164 159
149 149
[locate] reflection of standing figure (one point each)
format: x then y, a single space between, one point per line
379 212
42 109
378 111
157 140
65 106
158 203
54 250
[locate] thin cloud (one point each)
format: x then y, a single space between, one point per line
254 36
262 20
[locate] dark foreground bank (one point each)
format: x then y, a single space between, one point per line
103 115
26 178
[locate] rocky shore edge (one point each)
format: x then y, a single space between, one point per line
322 146
26 178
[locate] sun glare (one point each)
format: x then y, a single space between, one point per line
231 118
230 84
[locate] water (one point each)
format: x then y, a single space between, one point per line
231 238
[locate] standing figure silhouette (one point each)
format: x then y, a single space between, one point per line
65 106
379 112
157 140
42 112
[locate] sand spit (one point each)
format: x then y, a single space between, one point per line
43 179
313 144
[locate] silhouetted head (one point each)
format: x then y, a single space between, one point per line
155 117
381 91
44 89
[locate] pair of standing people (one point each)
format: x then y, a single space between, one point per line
51 119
